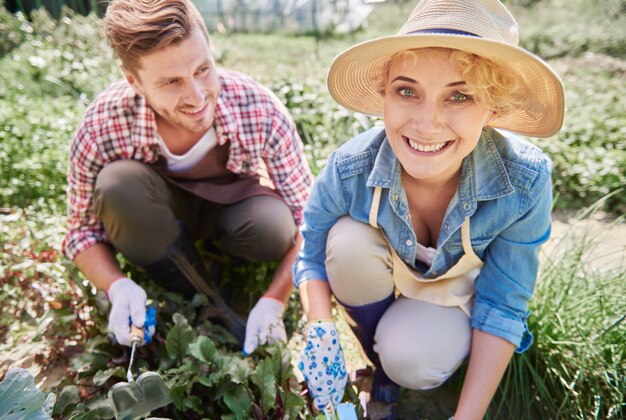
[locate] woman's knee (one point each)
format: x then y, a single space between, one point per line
358 263
420 344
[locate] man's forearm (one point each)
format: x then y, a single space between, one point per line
99 265
282 285
489 359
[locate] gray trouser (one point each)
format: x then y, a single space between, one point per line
141 214
419 344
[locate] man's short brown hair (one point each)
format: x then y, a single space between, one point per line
136 28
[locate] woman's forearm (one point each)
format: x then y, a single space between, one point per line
315 298
489 358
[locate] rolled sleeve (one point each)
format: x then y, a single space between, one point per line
507 280
489 319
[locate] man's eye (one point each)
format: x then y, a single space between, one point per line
172 81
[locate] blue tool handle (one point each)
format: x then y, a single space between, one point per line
149 325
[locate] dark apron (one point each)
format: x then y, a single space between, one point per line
211 180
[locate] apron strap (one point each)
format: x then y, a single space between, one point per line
374 207
465 237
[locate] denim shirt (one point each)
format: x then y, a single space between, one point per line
504 187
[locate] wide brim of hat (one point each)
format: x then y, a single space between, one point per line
351 78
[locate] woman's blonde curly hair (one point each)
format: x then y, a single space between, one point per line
489 83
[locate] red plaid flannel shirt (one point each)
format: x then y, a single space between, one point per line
121 125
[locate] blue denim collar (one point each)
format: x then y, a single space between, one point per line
488 183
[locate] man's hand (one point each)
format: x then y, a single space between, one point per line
265 324
323 365
128 304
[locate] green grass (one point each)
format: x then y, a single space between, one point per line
577 367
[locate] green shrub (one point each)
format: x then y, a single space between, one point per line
35 134
14 30
558 28
322 123
590 151
62 57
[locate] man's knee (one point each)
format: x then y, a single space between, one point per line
358 263
259 229
122 187
420 344
130 200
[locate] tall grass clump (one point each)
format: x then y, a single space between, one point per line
576 368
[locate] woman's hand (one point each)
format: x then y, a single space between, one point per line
323 364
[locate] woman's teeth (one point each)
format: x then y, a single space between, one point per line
429 148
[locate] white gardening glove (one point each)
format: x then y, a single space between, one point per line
265 324
323 365
128 304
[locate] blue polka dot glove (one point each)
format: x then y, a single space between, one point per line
323 364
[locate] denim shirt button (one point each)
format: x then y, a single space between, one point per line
394 197
409 242
467 206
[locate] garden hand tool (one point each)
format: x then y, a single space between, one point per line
137 398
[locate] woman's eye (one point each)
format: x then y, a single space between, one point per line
405 92
460 97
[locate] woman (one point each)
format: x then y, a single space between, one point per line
427 231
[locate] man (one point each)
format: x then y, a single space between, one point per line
181 150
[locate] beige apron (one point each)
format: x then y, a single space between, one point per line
454 288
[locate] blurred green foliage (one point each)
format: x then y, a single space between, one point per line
54 68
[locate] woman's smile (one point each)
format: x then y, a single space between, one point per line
430 148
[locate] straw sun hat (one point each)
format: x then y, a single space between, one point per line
482 27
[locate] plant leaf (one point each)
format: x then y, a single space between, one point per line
20 398
237 399
236 368
265 380
193 402
179 338
292 404
177 394
203 349
103 375
68 395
